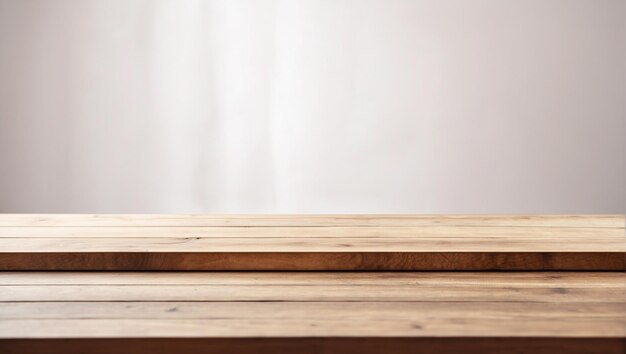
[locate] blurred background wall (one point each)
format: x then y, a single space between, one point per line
313 106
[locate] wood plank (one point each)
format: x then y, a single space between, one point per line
578 234
573 315
357 319
323 243
470 279
313 261
372 220
612 244
497 309
460 287
312 319
259 328
331 310
302 293
403 345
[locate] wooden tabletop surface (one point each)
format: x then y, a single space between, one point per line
511 284
550 311
314 242
277 304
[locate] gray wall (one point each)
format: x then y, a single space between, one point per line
313 106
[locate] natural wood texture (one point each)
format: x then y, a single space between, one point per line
469 279
584 236
391 242
336 286
272 261
604 314
295 305
247 327
403 345
312 312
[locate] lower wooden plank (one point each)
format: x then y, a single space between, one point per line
418 312
304 293
425 345
252 261
311 319
326 304
441 279
273 319
246 327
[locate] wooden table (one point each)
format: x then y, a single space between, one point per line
425 284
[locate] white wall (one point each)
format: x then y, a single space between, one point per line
313 106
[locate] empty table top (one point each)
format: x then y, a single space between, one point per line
311 242
510 284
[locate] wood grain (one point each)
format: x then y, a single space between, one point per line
302 293
313 261
355 310
312 312
392 242
315 287
246 327
587 305
335 232
402 345
470 279
312 244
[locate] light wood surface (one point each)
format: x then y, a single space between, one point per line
536 311
277 305
317 242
